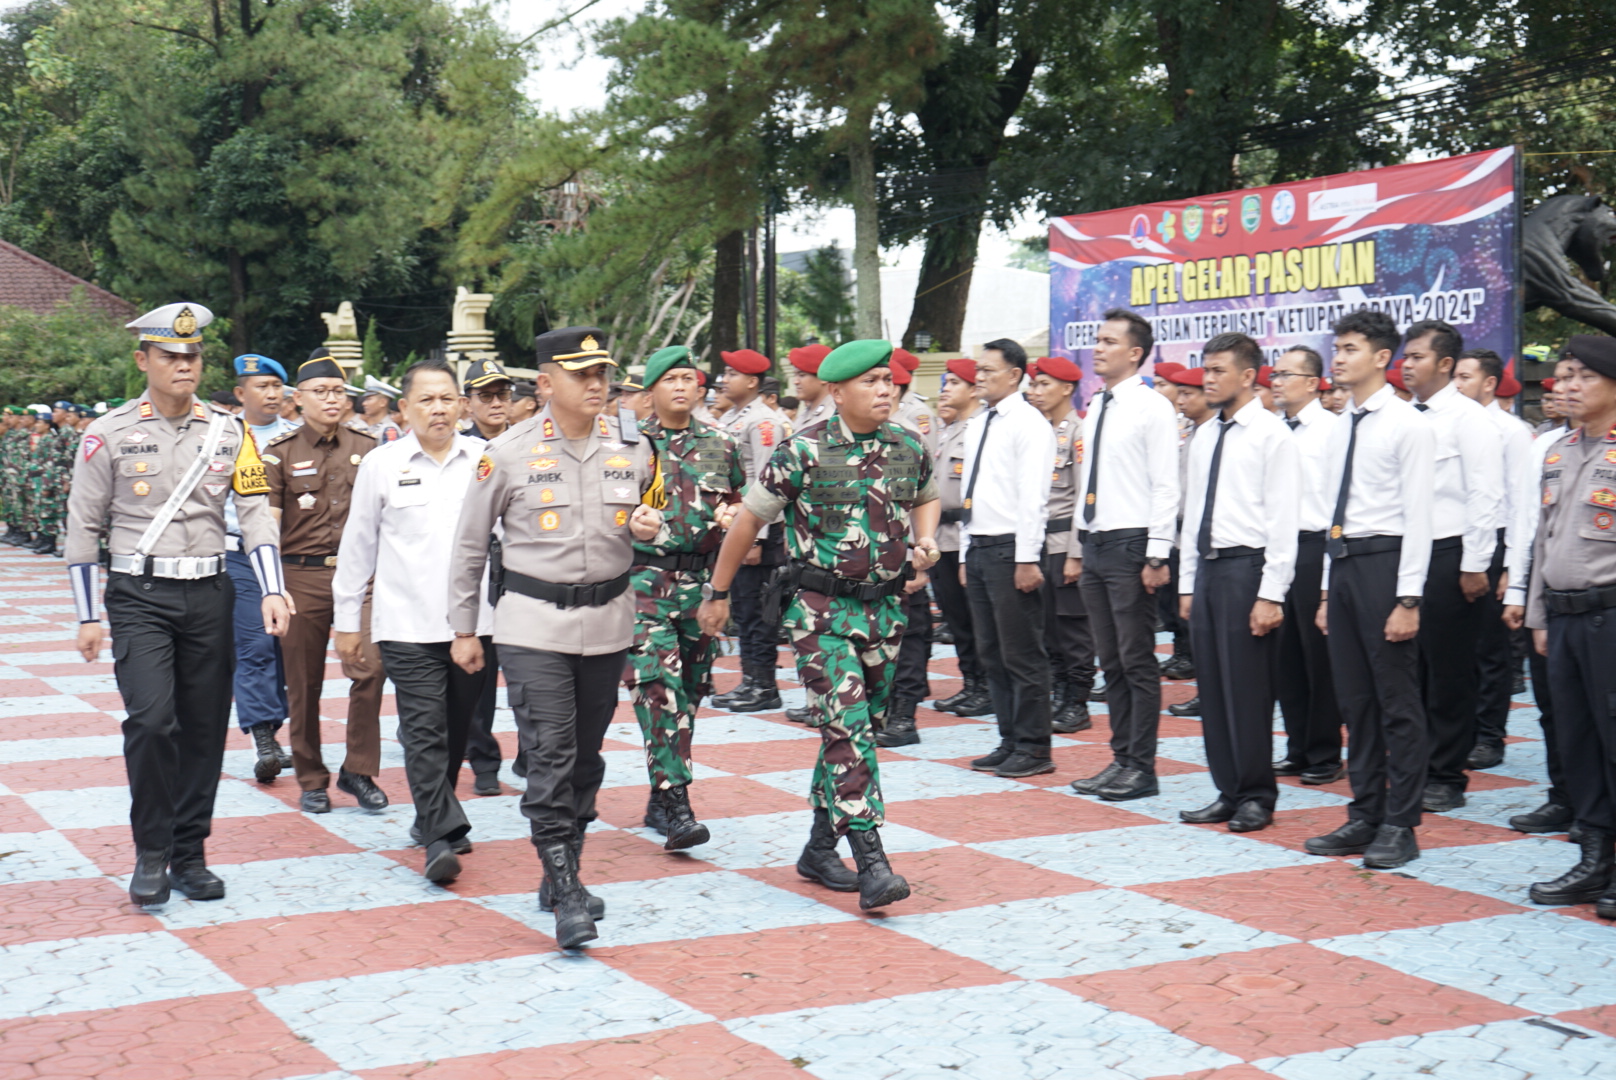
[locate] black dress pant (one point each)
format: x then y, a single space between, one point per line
174 655
1066 627
1122 614
1010 642
758 643
437 700
563 704
482 749
1543 694
956 609
1450 630
1235 671
914 652
1582 675
1302 679
1496 662
1378 686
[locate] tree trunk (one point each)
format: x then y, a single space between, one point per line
240 339
945 281
866 226
728 271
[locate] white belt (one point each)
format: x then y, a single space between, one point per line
232 542
185 568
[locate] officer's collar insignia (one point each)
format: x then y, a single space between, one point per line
548 428
600 421
146 410
198 411
185 323
588 344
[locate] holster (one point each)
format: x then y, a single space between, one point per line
779 589
496 570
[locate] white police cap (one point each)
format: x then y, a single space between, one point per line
176 327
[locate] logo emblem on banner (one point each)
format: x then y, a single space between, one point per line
1166 228
1251 212
1139 231
1283 208
1193 217
1220 217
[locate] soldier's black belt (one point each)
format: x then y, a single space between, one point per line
1370 545
1579 601
1235 552
1058 525
679 560
568 595
1310 537
949 517
818 579
309 560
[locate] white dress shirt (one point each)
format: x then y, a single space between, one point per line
1393 479
401 530
1469 476
1256 501
1012 491
1138 463
1517 451
1310 442
1528 502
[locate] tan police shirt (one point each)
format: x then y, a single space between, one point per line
758 430
130 461
817 413
913 413
565 511
1575 547
1063 487
950 474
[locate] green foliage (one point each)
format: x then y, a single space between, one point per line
76 352
375 359
824 297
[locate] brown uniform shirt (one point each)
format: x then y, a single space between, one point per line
311 481
1576 538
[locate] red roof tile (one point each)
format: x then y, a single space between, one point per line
29 282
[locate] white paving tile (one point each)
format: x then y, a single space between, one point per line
1081 933
742 843
1190 750
97 807
1191 791
1524 761
19 620
43 609
54 705
967 740
1505 870
1497 806
81 684
626 768
1145 854
906 780
34 637
42 659
45 977
15 751
372 1021
41 856
1505 1050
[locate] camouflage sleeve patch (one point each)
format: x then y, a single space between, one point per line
249 477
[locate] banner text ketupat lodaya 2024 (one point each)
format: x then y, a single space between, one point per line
1433 240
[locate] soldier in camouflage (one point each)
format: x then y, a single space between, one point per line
669 668
13 448
849 490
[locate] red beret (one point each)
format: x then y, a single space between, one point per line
1188 377
1265 376
1509 385
701 377
1394 374
1164 368
904 358
964 369
1057 367
1324 384
746 361
901 376
1548 384
807 357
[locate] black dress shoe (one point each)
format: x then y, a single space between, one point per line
314 802
1589 880
1251 817
1098 693
1485 755
1129 784
992 761
1605 906
1021 763
1353 838
977 701
364 790
148 886
803 715
1219 811
1073 718
1551 817
486 783
1287 767
442 865
1094 783
1394 846
1192 707
1440 798
1325 774
461 846
947 704
1178 666
195 881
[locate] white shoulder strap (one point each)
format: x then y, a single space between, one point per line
187 484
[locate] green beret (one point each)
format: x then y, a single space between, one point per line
664 360
853 359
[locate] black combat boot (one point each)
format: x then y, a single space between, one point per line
684 831
1588 880
804 715
268 765
819 861
900 725
656 815
878 885
947 704
978 702
1060 692
573 923
748 675
149 885
763 697
46 545
1551 817
597 906
190 875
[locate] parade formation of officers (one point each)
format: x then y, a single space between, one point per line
1365 552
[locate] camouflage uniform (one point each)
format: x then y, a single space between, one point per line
55 453
669 668
14 493
846 502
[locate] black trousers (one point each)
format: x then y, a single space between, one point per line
956 609
1167 608
909 677
1378 686
436 702
1582 677
482 749
1235 672
758 643
174 655
1302 680
563 704
1496 662
1450 631
1122 615
1066 627
1010 642
1543 694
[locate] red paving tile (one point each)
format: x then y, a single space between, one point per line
1292 828
13 688
1293 999
1601 1019
1329 898
234 840
27 776
501 867
1228 1072
1486 781
107 701
17 816
758 757
1010 815
58 726
74 908
341 944
59 671
217 1037
800 967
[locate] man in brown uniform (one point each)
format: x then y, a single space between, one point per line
311 475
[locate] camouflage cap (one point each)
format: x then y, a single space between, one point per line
855 358
665 360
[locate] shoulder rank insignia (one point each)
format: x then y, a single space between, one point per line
146 410
549 428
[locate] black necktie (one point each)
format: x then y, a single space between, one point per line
1422 406
1094 458
1203 539
1293 422
976 468
1336 545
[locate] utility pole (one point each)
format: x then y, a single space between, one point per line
771 313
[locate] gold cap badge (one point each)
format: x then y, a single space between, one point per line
589 344
185 323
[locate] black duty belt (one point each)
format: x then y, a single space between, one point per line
309 560
949 517
567 595
1579 601
1370 545
1234 552
818 579
1058 525
679 560
993 541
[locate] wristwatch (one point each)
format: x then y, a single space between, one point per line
1155 562
1410 601
710 593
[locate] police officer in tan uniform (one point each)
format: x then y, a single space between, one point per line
815 403
571 491
157 471
912 411
956 405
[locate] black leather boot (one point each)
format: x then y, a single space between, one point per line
1585 882
804 715
597 906
684 831
1551 817
947 704
573 923
900 725
1074 715
149 885
1393 846
268 765
656 815
1060 692
978 701
722 701
190 876
46 545
1178 666
763 697
819 861
878 885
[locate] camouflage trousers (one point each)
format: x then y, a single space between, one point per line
47 501
669 669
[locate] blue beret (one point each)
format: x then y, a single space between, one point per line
254 364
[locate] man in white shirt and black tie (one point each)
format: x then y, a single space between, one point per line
1382 466
1465 518
1236 558
1302 681
1128 513
1008 448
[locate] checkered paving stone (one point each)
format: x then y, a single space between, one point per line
1047 934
